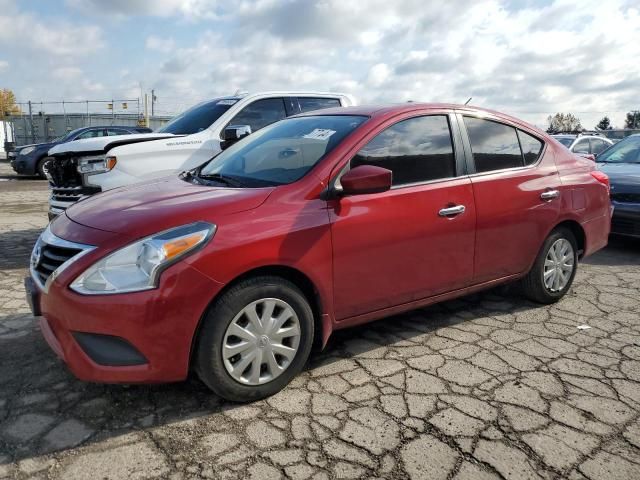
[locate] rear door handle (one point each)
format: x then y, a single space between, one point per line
452 211
549 195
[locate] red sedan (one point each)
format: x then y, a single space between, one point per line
315 223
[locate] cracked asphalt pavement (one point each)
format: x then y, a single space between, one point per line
487 386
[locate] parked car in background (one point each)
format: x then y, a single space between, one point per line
584 144
187 141
622 164
30 159
319 222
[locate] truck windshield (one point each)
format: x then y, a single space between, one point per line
280 153
197 118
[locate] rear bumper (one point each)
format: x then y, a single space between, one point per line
626 219
142 337
596 233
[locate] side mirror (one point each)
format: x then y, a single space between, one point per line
233 133
366 179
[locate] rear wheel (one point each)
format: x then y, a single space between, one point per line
554 269
255 339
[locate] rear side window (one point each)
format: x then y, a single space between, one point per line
494 146
531 147
598 146
308 104
415 150
581 146
260 113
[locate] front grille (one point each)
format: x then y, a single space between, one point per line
625 226
626 197
51 257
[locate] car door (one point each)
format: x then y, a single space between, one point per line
415 240
516 188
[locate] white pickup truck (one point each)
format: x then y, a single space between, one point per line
84 167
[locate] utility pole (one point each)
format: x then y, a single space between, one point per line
146 110
153 101
33 133
113 112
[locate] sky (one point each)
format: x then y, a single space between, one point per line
528 58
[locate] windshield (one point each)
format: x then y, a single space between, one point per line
625 151
566 141
283 152
197 118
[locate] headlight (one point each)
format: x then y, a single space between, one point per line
27 150
96 164
138 266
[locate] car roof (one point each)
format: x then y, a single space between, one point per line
395 109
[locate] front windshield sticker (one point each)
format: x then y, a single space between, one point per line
319 134
227 102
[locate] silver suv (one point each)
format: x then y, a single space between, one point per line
584 144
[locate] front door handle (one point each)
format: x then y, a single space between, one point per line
549 195
452 211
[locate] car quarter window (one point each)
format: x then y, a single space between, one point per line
260 113
494 145
416 150
581 146
308 104
531 147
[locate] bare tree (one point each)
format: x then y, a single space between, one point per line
564 122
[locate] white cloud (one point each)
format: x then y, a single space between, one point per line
531 60
4 65
164 45
55 38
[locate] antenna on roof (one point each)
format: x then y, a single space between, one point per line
467 102
240 93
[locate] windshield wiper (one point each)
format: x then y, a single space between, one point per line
219 177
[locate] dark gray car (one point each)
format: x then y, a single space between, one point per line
621 163
30 159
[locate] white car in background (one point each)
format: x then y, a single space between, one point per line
84 167
584 144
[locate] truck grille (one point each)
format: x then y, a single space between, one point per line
63 173
626 197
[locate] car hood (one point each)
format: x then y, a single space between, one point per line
146 208
37 145
103 144
621 173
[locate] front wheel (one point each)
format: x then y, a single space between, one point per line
41 167
554 269
255 339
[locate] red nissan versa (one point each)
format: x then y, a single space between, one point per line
315 223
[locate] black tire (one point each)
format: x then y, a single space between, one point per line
208 359
40 167
533 286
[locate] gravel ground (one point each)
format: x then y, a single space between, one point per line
489 386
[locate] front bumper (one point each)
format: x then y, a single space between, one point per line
141 337
626 219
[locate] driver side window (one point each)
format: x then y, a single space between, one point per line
91 134
260 113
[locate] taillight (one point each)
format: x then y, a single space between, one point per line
602 178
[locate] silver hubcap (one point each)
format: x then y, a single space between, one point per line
558 265
261 341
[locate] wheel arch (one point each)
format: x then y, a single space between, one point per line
578 232
295 276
